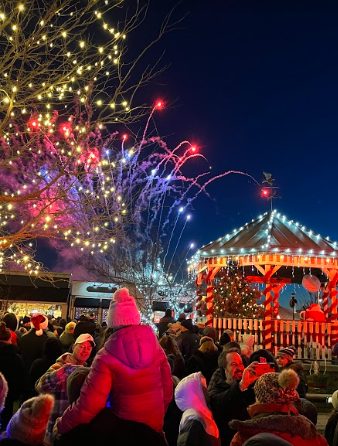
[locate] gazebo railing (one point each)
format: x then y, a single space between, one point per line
311 339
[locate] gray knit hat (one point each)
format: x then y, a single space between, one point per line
29 423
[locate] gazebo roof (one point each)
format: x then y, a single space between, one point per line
271 232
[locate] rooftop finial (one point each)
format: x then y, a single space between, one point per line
269 191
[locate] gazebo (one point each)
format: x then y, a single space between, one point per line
274 251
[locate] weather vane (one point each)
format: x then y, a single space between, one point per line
268 190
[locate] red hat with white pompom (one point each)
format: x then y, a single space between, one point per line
123 310
39 322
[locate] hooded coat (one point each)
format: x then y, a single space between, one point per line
133 373
275 419
197 424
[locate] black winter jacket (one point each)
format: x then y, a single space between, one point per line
12 367
188 343
193 434
228 403
206 363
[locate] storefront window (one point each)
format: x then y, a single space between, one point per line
87 311
22 309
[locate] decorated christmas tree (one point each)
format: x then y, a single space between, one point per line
234 297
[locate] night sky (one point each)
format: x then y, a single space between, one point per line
255 86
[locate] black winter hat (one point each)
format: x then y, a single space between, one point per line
187 323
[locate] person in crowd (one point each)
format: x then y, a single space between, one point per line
51 351
247 347
54 381
131 371
187 341
3 391
22 331
12 368
84 326
67 338
105 427
275 413
164 321
223 340
210 332
231 334
266 439
172 418
11 322
197 426
31 344
285 361
27 427
331 424
205 359
175 358
229 392
182 317
307 409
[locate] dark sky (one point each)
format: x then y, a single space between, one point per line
255 85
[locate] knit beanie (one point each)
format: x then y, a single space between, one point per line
289 351
11 321
123 310
5 333
211 332
335 400
3 391
187 323
29 423
39 322
277 387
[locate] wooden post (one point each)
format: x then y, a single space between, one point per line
210 293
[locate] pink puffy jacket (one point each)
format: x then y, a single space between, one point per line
132 372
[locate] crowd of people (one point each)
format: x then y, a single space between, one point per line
82 383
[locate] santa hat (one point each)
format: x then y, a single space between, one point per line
289 351
29 423
3 391
277 387
123 310
39 322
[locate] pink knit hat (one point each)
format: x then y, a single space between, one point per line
123 310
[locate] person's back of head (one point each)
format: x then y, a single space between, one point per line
168 312
182 317
11 321
224 339
75 382
52 348
210 332
70 327
207 345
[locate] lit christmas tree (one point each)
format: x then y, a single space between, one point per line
234 297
